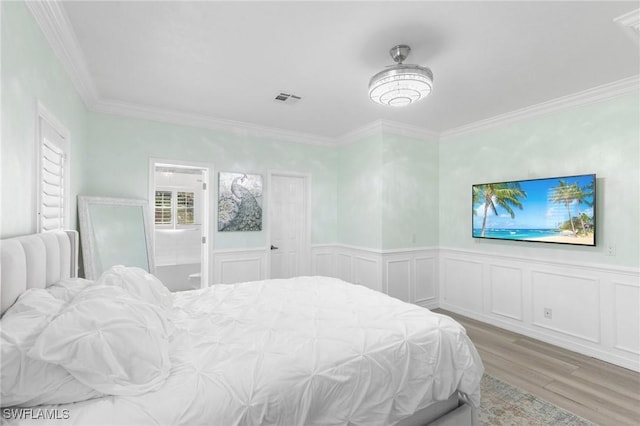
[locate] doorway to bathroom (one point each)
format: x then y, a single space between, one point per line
180 215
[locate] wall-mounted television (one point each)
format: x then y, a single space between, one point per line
558 210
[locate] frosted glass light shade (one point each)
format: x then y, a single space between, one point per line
401 85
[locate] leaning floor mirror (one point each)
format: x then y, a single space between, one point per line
114 231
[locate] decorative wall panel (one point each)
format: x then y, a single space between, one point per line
426 284
367 272
573 300
627 317
344 266
399 279
237 266
591 309
462 282
505 291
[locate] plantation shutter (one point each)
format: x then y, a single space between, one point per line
163 208
52 179
185 208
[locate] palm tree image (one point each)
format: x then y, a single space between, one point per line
505 195
569 194
565 194
585 193
476 194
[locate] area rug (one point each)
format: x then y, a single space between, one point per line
505 405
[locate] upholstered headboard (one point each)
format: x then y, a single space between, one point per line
36 261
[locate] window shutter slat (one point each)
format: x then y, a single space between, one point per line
53 169
51 201
52 181
52 159
49 191
50 224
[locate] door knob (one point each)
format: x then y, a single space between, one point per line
273 247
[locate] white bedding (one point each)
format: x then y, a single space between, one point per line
304 351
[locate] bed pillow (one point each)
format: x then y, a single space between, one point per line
25 381
108 340
139 283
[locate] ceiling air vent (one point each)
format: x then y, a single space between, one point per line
287 98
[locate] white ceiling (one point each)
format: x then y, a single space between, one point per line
228 60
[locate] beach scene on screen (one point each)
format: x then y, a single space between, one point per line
557 210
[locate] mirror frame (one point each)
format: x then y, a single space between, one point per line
87 235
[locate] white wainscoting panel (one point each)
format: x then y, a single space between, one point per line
426 280
505 291
236 266
462 282
573 300
344 267
398 278
595 309
409 275
322 263
367 272
627 317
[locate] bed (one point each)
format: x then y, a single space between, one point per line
122 350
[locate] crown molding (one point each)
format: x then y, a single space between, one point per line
400 129
371 129
585 97
207 122
389 127
55 25
630 24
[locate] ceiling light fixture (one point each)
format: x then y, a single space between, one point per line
400 84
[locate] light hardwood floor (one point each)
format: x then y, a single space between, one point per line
596 390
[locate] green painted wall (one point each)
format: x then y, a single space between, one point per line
31 73
601 138
360 193
410 192
116 164
388 192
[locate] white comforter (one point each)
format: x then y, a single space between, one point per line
304 351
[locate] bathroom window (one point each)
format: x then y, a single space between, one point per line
163 208
174 208
185 208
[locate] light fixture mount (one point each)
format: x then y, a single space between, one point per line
400 84
399 53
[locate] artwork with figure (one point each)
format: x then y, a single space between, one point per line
239 202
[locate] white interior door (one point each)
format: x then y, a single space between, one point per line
289 225
180 213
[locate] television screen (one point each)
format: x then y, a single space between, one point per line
552 210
